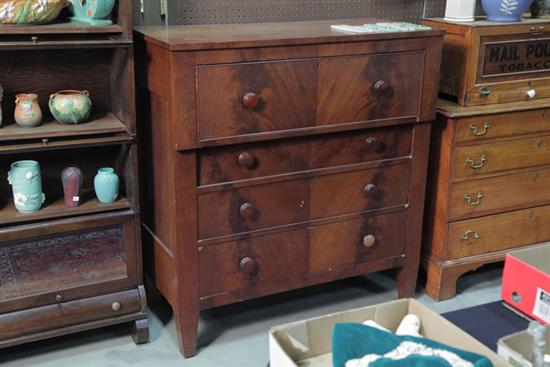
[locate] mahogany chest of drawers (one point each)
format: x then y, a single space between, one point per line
489 187
281 156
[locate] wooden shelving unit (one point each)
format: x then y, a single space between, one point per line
80 242
57 209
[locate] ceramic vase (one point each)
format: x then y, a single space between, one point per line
505 10
26 182
72 178
70 106
460 10
92 12
27 110
106 185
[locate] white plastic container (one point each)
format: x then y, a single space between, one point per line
460 10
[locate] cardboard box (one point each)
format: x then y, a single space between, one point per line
526 282
308 342
516 348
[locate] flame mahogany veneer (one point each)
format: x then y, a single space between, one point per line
280 156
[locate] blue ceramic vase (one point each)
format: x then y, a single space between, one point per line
26 181
106 185
505 10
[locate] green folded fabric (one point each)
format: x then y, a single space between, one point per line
355 341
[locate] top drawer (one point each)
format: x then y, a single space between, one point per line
502 125
263 97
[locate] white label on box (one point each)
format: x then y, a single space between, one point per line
76 198
542 305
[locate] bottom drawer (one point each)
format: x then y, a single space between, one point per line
498 232
276 258
40 319
344 244
249 263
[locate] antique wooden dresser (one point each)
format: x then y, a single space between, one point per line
281 156
490 155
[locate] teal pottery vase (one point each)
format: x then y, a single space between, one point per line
27 110
26 182
93 13
106 185
70 106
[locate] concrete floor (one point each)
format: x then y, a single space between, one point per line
236 335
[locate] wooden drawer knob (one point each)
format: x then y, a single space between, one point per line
371 143
369 240
247 210
381 88
115 306
370 190
251 100
246 160
248 265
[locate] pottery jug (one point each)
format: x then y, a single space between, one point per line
72 178
26 182
70 106
106 185
505 10
27 110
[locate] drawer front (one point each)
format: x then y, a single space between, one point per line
362 88
47 265
248 161
254 98
64 314
498 232
262 97
250 263
345 244
502 125
475 160
503 192
247 209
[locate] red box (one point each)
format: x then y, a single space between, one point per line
526 282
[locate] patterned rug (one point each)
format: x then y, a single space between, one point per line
61 262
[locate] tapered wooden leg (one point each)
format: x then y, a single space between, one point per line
406 280
140 331
187 322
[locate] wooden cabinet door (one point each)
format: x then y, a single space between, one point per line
66 260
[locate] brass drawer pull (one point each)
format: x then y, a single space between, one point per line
466 236
484 91
369 241
58 298
480 132
470 200
536 32
472 163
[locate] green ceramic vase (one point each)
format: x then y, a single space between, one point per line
26 182
106 185
70 106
